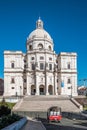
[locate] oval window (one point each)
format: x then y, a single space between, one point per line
49 48
40 46
30 47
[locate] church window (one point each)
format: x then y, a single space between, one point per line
30 47
33 66
12 65
49 48
69 81
40 46
68 65
39 25
50 58
25 80
41 66
24 61
12 80
12 87
56 61
57 80
32 58
50 66
41 58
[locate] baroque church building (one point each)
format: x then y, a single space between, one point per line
40 71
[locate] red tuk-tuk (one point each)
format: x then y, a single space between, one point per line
54 114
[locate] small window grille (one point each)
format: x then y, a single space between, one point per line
12 80
41 66
50 66
69 81
12 65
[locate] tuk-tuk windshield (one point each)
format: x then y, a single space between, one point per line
54 113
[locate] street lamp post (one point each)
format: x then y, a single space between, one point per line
20 91
71 91
16 94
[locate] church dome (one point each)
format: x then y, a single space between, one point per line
39 32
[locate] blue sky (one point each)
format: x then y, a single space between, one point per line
65 20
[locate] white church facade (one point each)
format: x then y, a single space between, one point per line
40 71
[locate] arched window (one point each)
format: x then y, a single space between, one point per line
33 66
50 58
12 88
68 65
41 58
12 65
12 80
32 58
50 66
40 46
69 81
50 48
30 47
41 66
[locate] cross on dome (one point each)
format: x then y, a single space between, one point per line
39 23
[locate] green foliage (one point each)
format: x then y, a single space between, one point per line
5 114
85 107
3 103
7 120
8 104
4 110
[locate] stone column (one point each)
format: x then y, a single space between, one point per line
36 84
28 85
55 87
46 83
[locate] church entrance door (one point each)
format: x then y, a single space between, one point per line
33 90
41 89
50 89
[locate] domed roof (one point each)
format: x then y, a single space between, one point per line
39 32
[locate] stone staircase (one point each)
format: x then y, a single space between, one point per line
42 103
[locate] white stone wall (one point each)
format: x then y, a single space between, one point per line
35 44
28 81
68 73
15 88
40 77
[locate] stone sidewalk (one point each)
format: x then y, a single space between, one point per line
33 125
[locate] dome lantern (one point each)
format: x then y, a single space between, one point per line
39 32
39 24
